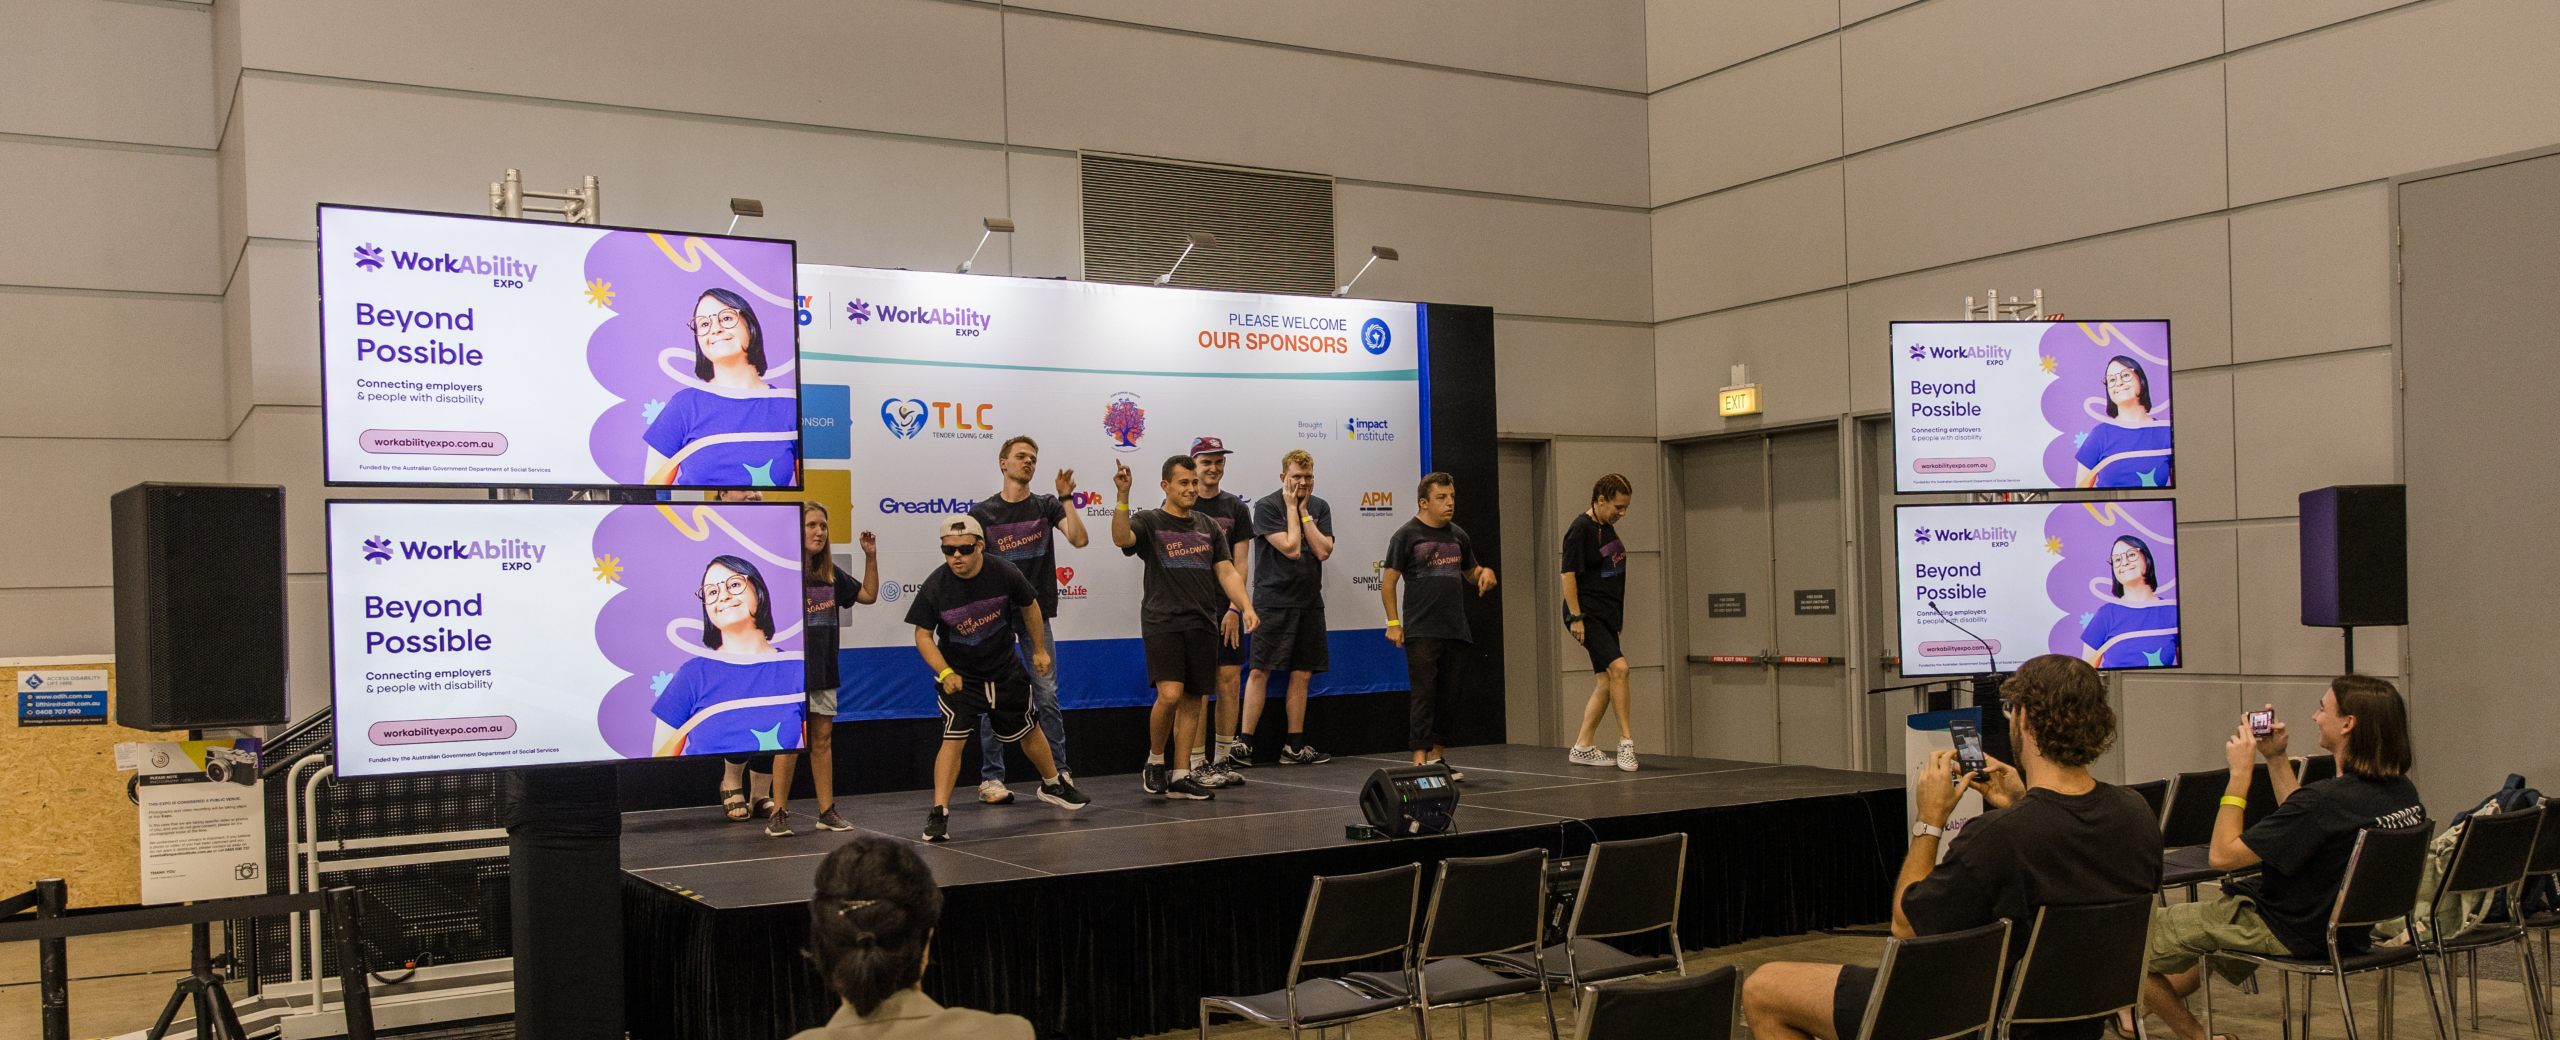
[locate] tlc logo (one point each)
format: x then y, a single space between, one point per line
957 415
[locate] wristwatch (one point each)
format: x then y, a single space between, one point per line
1920 829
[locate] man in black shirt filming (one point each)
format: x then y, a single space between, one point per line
2301 849
2054 837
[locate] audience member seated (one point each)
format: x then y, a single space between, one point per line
2054 837
870 930
2301 849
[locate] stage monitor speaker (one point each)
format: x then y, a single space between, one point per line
200 609
2355 556
1410 800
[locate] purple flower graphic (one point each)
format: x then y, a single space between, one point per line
1920 535
377 549
1917 352
858 312
368 257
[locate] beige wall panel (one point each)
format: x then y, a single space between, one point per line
2312 274
2207 475
1794 348
1517 256
151 365
2252 22
62 622
1766 116
277 287
2306 423
2176 271
67 520
107 217
1939 64
1640 641
105 71
907 66
1775 238
2428 86
2273 640
1078 84
1689 38
1577 464
1860 10
2208 597
2173 725
1600 43
1048 214
1612 368
2126 156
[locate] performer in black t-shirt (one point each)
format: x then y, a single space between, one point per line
1434 560
2301 849
1020 526
2055 836
971 617
1595 611
1293 535
1234 517
824 591
1183 613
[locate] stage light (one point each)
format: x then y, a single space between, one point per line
1198 240
743 208
1376 253
995 226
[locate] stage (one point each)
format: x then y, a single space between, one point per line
1114 920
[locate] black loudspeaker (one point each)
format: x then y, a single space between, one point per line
200 609
2355 556
1410 800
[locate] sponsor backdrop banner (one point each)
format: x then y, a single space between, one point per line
2095 580
482 634
2031 405
915 379
473 351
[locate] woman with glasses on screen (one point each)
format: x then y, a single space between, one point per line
2130 449
746 695
733 429
2138 628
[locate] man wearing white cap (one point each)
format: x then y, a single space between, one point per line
971 614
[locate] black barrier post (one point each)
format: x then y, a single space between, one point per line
352 988
54 961
564 868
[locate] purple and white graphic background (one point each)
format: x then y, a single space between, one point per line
643 353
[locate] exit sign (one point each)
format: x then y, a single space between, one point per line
1738 400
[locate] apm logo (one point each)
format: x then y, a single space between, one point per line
368 257
1377 503
904 416
377 549
1375 336
858 312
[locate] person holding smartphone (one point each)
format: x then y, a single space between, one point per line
2055 836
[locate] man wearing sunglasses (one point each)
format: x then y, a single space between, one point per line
971 614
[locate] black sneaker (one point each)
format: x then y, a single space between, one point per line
778 825
1216 776
1455 774
1151 779
1063 794
1188 788
1303 755
1240 753
830 820
937 824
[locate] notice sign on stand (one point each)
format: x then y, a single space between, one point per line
62 697
204 819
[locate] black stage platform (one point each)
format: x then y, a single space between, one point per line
1113 921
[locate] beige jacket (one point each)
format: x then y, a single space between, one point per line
910 1015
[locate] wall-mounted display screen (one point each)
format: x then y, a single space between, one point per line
2031 405
2003 582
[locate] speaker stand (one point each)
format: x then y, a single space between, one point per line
2350 633
214 1018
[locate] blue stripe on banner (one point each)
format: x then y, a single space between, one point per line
1422 366
890 682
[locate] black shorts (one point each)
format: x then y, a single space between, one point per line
1188 656
1849 998
1291 639
1235 656
1006 702
1600 640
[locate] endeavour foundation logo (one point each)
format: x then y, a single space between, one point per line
1375 431
1375 336
1125 420
377 549
368 257
1091 503
858 312
904 416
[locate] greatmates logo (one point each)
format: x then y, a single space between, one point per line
1375 431
1375 336
962 321
890 505
904 416
1125 420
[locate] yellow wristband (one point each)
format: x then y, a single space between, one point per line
1306 519
2236 802
1393 623
1123 507
941 675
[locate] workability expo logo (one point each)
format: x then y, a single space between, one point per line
368 257
377 549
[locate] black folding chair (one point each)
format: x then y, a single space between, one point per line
2381 886
1481 907
2489 859
1699 1007
1937 986
2542 876
2155 793
1349 918
2081 962
2317 768
1629 888
2186 830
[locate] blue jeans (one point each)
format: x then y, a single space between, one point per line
1044 710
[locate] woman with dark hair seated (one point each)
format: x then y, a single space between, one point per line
870 933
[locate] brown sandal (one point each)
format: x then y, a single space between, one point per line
733 801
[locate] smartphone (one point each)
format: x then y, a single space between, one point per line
1968 737
2262 722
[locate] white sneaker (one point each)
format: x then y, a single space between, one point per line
994 792
1627 755
1587 756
